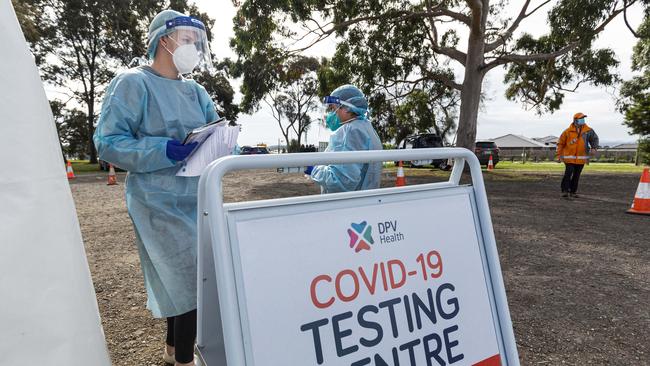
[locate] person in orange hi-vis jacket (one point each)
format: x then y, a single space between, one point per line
574 147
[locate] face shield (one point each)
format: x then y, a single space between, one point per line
189 35
332 103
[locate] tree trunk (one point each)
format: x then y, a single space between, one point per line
470 95
470 98
299 141
286 139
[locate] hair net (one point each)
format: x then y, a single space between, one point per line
158 21
352 98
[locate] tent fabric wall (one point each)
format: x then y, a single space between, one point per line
48 309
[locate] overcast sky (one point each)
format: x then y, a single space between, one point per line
499 116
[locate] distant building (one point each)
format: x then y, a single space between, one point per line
625 147
516 147
626 152
322 145
550 141
518 142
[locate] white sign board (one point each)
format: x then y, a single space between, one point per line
360 286
386 277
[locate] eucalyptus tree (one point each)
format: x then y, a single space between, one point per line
80 45
455 43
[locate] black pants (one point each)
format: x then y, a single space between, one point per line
571 177
181 333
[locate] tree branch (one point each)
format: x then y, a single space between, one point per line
625 6
501 60
452 53
274 110
475 5
441 10
389 17
508 33
443 79
504 59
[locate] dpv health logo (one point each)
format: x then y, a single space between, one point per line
360 236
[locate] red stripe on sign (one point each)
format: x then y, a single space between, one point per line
490 361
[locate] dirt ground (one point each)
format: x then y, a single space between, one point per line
577 272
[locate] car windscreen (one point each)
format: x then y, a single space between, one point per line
428 141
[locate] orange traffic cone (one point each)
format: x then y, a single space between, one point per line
112 178
490 166
641 203
400 180
69 171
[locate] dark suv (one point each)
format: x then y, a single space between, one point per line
422 141
484 149
255 150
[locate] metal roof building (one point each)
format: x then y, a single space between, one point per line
512 141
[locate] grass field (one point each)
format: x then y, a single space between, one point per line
557 167
83 167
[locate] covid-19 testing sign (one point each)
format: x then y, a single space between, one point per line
403 285
405 276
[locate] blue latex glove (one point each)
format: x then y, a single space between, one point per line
177 151
308 170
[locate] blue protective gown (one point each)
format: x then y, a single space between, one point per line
140 113
352 136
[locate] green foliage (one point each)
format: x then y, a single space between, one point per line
29 15
294 146
644 151
81 44
292 96
288 85
635 93
220 90
424 112
541 84
637 115
72 129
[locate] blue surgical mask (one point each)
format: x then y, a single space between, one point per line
332 121
580 121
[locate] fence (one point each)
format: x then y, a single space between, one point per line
539 155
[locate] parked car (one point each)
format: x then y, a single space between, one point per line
423 141
484 149
253 150
103 165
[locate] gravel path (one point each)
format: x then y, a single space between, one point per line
577 272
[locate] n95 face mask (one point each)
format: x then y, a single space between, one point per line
185 58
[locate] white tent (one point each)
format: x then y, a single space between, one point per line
48 310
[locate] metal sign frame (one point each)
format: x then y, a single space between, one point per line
220 336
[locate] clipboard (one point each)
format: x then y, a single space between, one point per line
199 134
